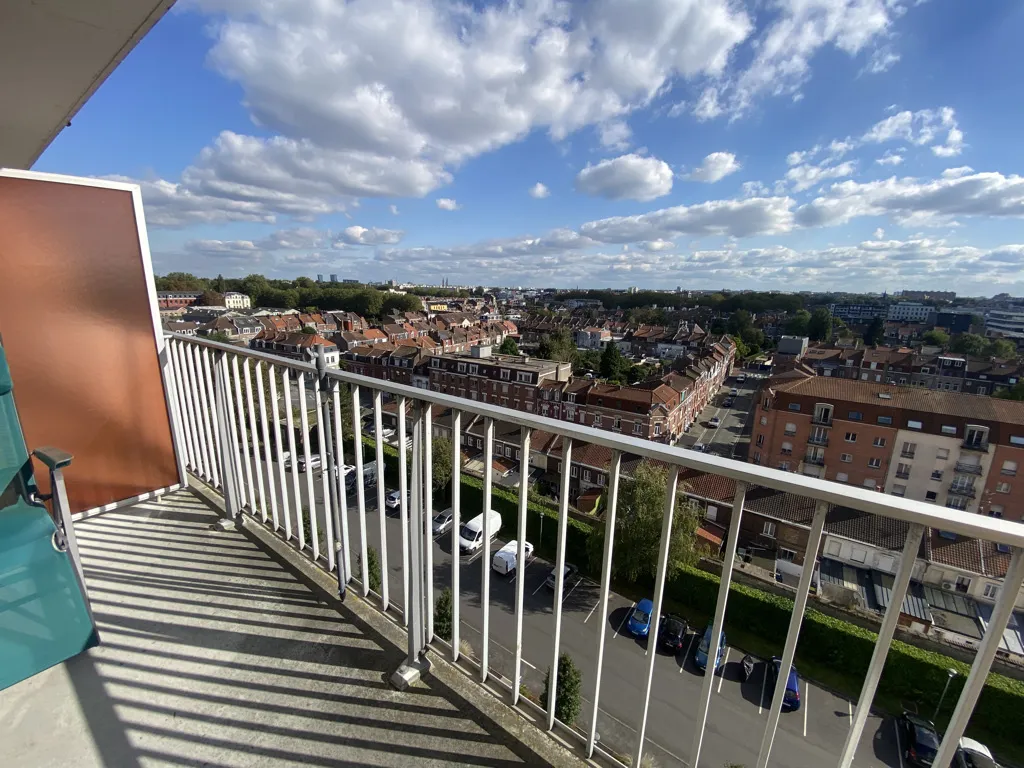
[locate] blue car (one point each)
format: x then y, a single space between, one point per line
791 698
700 656
640 620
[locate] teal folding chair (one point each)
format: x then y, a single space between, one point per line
44 609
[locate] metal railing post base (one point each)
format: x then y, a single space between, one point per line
410 672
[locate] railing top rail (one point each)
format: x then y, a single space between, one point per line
993 529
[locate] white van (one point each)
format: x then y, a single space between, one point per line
504 560
369 475
471 535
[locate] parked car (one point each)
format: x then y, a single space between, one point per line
918 738
504 560
791 698
314 462
700 656
973 754
387 433
700 447
640 619
471 537
715 421
442 521
741 378
747 666
672 633
729 402
569 572
734 392
393 500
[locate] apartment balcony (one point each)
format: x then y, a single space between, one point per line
963 490
820 422
224 642
908 454
818 461
968 469
818 440
903 475
975 445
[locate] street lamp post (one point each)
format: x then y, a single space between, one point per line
951 674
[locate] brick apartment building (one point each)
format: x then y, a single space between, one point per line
176 299
952 449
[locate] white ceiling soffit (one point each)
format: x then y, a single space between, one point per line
53 55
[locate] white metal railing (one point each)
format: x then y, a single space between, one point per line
216 436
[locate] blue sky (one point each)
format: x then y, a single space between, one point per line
795 144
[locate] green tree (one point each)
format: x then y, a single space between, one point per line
936 338
220 336
1016 392
211 299
969 344
557 346
372 568
819 326
443 614
568 696
739 321
875 332
508 347
180 281
638 527
442 454
1001 348
613 365
797 324
309 330
400 302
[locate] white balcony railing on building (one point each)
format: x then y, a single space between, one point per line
223 397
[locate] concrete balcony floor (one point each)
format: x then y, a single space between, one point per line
217 650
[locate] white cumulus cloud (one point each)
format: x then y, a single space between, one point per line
626 177
356 235
715 166
447 204
539 191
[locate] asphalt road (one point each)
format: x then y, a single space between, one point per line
808 738
732 436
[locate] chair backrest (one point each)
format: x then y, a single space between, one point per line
44 614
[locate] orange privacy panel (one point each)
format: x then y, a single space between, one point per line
76 317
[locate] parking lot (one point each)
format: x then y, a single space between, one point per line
807 738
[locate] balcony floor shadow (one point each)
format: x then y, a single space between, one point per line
209 659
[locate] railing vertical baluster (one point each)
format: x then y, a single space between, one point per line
716 629
230 475
202 419
325 470
796 619
1009 591
209 406
357 448
267 455
199 463
173 383
563 524
659 593
191 447
878 656
378 439
345 562
524 495
231 426
293 457
403 490
606 578
415 543
257 458
307 457
456 524
243 442
275 415
485 560
428 514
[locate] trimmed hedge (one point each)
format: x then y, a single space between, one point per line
910 674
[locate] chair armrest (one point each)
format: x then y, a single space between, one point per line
53 458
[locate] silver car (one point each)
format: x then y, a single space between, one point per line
442 521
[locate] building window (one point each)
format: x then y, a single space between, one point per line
505 374
787 449
948 429
942 453
909 449
600 478
930 496
657 430
597 420
462 367
1009 468
885 419
914 424
851 437
956 502
842 477
784 466
996 510
508 451
858 554
869 482
976 437
794 406
898 489
936 474
768 529
764 420
856 416
846 458
574 471
991 591
638 427
1016 440
902 471
790 428
879 442
786 554
962 583
1002 487
586 475
874 463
